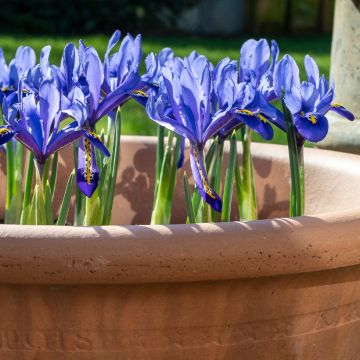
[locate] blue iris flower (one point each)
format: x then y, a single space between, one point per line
308 101
183 105
11 74
152 78
246 103
32 118
121 68
96 89
154 64
257 63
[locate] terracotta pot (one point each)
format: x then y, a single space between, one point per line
270 289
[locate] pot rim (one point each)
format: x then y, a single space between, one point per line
186 252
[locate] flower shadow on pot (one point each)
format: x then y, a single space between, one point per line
135 186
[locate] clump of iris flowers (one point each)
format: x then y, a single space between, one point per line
46 107
38 101
203 103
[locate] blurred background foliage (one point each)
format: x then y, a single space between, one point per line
214 28
69 17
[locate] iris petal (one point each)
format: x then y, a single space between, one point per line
64 137
25 58
115 37
257 122
312 70
94 77
6 133
293 100
286 75
309 95
201 179
140 96
96 141
156 110
87 173
49 107
182 153
341 110
275 116
313 127
70 65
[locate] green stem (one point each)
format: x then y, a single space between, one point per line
27 194
14 173
49 214
296 162
215 176
173 172
248 190
10 177
45 172
106 219
238 186
92 210
206 212
79 197
18 183
209 163
163 202
189 208
300 151
65 205
54 167
40 212
159 155
229 180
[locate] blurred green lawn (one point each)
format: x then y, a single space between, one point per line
135 120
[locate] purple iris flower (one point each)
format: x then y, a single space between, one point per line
153 82
245 103
154 64
152 78
33 119
257 63
183 105
11 74
96 89
35 75
121 69
308 101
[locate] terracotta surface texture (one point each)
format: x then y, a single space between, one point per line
275 289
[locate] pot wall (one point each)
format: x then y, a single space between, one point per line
239 319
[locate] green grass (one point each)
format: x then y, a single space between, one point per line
135 120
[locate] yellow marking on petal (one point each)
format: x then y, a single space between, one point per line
313 119
4 131
244 112
202 176
88 163
94 135
140 93
302 113
262 118
5 88
337 105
